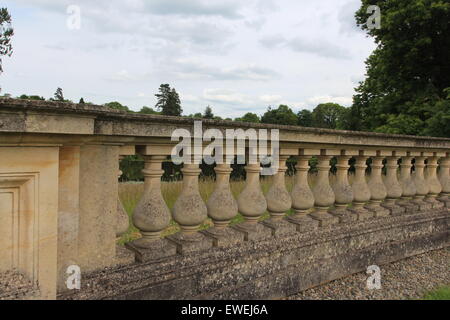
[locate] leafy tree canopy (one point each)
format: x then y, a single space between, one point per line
282 115
117 105
32 97
407 75
305 118
148 110
249 117
328 115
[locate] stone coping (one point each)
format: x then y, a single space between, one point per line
31 122
102 112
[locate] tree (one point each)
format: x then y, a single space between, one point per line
408 72
168 101
249 117
81 101
328 115
147 110
58 96
305 118
26 97
282 115
208 114
117 105
6 33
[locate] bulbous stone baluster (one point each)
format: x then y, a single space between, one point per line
189 211
151 215
393 187
222 208
323 193
252 205
422 187
302 198
123 221
433 182
342 190
444 179
361 191
378 191
279 202
408 186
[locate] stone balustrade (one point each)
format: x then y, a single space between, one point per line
60 161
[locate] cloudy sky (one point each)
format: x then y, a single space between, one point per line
236 56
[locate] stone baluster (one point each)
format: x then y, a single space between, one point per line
433 182
361 191
418 178
301 194
377 188
252 205
151 215
189 211
279 202
222 208
408 186
323 193
444 179
342 190
393 187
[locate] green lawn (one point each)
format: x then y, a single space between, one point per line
442 293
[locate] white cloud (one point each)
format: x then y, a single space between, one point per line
267 98
225 96
346 101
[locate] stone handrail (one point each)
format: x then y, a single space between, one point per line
59 188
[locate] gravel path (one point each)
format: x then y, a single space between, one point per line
16 286
406 279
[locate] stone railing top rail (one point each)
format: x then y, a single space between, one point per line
33 116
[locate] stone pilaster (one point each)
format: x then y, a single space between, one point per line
393 187
433 182
378 191
222 208
342 190
189 211
302 196
323 193
151 215
279 202
361 191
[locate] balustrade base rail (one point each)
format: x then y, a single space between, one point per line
275 267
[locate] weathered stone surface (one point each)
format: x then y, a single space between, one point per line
154 251
224 236
280 227
275 267
253 231
189 243
303 223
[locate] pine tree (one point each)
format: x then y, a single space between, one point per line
208 114
58 96
168 101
